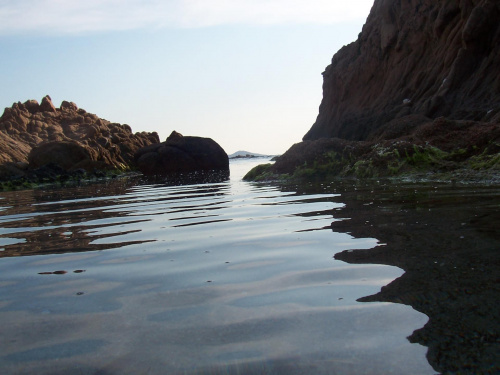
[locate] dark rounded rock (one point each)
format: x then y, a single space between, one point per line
180 154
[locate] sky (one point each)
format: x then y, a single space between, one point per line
246 73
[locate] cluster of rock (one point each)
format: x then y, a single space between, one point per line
33 135
422 78
39 140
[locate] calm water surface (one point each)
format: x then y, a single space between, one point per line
130 277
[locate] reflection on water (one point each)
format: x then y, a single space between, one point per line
447 240
228 277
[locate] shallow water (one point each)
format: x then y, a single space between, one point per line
134 277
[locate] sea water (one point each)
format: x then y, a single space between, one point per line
138 277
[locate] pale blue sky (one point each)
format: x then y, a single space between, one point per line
245 73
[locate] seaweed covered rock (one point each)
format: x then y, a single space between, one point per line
443 148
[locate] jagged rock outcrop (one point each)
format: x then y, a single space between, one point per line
429 58
67 136
179 154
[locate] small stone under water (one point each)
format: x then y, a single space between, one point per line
60 272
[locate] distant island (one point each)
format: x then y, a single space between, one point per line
247 155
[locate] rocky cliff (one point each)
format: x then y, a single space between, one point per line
40 133
417 92
425 58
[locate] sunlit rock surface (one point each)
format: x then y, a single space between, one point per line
25 127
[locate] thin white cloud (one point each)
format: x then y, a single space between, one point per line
215 12
81 16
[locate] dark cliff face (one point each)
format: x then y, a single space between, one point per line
425 58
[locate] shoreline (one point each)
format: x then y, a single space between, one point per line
398 160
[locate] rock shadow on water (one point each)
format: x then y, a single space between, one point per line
69 220
189 178
447 241
99 217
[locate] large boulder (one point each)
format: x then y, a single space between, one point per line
179 154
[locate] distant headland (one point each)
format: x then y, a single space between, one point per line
247 155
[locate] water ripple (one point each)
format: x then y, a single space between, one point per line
192 279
